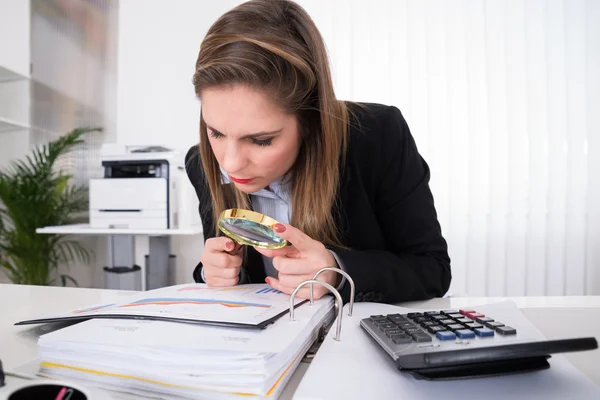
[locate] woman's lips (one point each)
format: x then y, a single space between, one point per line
242 181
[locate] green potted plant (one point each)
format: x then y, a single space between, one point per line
34 194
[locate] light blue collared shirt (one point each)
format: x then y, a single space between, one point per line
276 204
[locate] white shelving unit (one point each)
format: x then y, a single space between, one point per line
121 249
85 229
10 125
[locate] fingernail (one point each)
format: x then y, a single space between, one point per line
229 245
279 228
268 280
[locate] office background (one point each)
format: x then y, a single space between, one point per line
503 99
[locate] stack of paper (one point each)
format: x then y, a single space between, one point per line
175 359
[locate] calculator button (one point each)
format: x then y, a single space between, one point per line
445 335
439 317
435 329
447 321
506 330
392 332
412 330
422 338
377 317
405 325
474 325
385 326
464 320
483 320
401 339
428 323
464 333
475 315
484 332
457 315
414 315
494 324
419 320
454 327
465 312
431 313
396 318
446 312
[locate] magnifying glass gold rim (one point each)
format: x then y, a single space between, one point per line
251 216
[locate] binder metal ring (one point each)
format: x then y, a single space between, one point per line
339 271
339 303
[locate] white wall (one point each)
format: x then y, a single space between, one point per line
502 98
158 46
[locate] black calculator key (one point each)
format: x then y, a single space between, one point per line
483 320
420 320
506 330
377 317
414 315
412 330
439 317
428 323
447 321
435 329
454 316
401 339
464 320
405 325
446 312
455 327
473 325
494 324
422 338
431 313
388 325
392 332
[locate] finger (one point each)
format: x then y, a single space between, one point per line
288 251
292 266
221 260
221 282
295 236
303 293
225 273
292 281
221 243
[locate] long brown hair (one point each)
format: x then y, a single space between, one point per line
274 45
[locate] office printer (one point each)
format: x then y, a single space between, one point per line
139 189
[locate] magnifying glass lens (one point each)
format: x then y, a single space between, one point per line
250 228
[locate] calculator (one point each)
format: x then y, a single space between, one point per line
459 344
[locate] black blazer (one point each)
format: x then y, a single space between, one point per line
386 214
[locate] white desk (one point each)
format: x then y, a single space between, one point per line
555 316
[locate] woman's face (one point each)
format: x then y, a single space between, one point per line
254 140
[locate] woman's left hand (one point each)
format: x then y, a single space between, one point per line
299 262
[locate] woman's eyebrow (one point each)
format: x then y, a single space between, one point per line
251 135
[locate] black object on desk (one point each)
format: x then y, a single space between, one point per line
442 345
1 375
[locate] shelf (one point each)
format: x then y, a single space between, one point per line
84 229
6 75
7 125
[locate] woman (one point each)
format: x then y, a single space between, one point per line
345 180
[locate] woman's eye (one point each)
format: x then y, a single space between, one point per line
263 142
215 134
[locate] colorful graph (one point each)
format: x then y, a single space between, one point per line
268 290
212 289
166 301
92 308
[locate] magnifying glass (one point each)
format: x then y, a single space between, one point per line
250 228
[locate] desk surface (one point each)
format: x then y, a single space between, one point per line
555 316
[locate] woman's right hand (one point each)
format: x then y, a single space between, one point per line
221 261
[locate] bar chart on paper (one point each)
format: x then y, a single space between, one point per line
254 305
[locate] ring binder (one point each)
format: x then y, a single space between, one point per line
339 303
344 273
